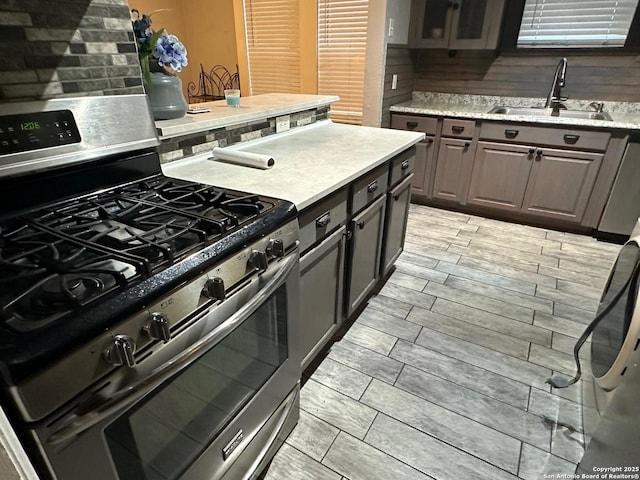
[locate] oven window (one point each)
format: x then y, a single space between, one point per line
609 335
165 434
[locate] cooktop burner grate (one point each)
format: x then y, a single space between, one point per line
58 259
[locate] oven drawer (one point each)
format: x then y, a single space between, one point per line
322 218
414 123
370 187
402 166
556 137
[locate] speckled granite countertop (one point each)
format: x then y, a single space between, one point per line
251 108
624 115
310 162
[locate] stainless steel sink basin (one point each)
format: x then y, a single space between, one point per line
548 112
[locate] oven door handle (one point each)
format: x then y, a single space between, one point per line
132 393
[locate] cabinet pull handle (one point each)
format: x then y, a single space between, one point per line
412 125
373 186
467 145
532 151
405 165
361 224
509 133
429 141
571 139
396 197
324 220
457 129
539 155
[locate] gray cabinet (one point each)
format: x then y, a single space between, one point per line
560 183
396 218
454 158
365 249
424 166
425 150
499 176
342 239
457 24
534 180
321 286
537 178
322 269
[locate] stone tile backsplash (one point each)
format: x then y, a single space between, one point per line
179 147
67 48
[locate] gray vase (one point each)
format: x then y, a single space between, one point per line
165 96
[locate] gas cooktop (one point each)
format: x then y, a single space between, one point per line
58 259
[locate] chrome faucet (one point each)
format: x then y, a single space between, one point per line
554 98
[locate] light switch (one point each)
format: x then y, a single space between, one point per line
394 81
390 33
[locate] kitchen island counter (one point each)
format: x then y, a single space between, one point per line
310 162
252 108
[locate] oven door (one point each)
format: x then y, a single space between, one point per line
212 403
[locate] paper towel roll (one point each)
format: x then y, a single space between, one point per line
246 159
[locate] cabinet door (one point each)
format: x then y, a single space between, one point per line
431 23
457 24
321 286
364 252
470 23
499 176
560 183
424 166
395 223
454 156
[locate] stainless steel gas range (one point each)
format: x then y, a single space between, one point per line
148 325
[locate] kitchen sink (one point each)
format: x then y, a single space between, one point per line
548 112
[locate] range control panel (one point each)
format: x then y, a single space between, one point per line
32 131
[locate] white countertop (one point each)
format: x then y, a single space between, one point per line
624 116
251 108
310 162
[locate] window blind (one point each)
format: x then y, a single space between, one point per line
573 23
273 45
342 43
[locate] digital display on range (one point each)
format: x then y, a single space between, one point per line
33 131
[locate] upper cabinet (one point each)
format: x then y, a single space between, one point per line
457 24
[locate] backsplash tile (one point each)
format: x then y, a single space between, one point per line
67 48
179 147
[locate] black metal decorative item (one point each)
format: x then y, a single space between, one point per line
211 86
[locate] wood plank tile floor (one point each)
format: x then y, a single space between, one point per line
443 374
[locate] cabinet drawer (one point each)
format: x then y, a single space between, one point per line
402 165
370 187
452 127
415 123
557 137
321 218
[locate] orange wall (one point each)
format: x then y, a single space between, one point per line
205 27
213 33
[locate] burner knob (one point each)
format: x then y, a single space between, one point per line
258 260
214 289
121 351
275 248
157 328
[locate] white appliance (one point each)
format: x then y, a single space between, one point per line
611 418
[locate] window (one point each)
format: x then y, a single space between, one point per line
342 43
574 23
273 45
